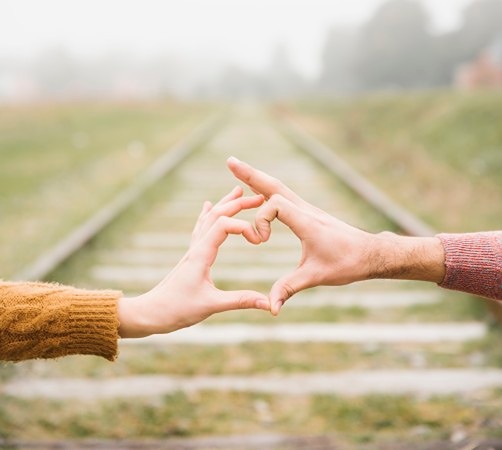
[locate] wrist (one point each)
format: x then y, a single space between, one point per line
132 321
407 258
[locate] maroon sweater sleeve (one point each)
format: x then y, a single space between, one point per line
474 263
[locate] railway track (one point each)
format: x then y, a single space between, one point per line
265 442
377 338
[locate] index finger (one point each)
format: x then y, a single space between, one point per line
260 182
206 249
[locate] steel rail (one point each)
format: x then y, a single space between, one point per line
338 167
76 239
400 216
244 442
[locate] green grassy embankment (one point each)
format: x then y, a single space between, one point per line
439 153
60 163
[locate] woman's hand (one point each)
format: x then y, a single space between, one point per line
188 295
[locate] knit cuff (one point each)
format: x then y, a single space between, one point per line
473 263
42 320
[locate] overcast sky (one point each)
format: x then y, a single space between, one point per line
242 32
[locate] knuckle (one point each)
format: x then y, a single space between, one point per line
222 221
215 212
242 302
288 290
248 178
276 199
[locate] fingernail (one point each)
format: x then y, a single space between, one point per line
234 159
277 309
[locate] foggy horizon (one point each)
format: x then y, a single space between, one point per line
227 48
241 33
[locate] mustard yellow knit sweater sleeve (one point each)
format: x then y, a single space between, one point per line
43 320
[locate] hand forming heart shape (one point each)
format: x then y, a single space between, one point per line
331 249
187 295
333 253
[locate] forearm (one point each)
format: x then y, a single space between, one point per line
407 258
464 262
41 320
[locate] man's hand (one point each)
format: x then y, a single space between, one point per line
333 252
187 295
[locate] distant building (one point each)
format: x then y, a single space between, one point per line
483 72
18 86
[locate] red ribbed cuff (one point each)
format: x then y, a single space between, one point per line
473 263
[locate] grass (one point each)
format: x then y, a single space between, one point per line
390 157
488 347
116 236
450 308
263 358
59 163
439 154
355 420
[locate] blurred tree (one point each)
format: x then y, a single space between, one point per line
236 82
394 49
482 22
281 78
481 25
57 72
337 61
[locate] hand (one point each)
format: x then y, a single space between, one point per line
187 295
333 252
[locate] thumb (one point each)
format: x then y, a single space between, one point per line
230 300
285 287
